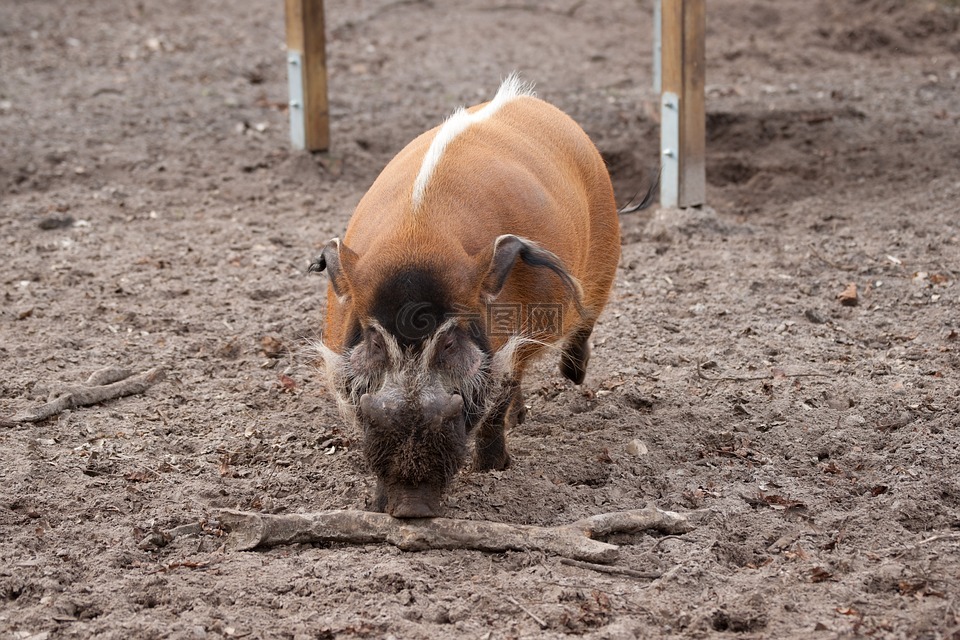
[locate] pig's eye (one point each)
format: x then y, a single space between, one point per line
375 348
447 345
448 351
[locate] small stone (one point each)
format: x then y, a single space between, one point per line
815 316
56 222
637 448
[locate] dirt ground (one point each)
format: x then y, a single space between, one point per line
153 214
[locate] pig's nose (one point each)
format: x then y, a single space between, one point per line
413 509
374 409
442 409
378 410
414 502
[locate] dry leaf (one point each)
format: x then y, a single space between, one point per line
848 297
287 383
819 574
140 476
224 466
272 347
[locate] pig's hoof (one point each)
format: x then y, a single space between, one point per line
379 502
576 355
491 462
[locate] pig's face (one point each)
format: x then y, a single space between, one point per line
415 376
415 407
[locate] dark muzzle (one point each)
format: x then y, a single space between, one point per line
418 449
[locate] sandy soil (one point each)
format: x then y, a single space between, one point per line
153 214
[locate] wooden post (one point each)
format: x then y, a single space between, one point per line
307 74
657 45
682 104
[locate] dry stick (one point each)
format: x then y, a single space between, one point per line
249 530
770 376
99 378
82 396
536 618
107 375
160 539
910 547
665 538
535 8
603 568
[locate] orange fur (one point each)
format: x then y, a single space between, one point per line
528 170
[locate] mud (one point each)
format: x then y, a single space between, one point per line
153 214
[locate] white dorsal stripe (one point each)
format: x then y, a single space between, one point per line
457 123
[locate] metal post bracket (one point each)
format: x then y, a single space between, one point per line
669 149
297 115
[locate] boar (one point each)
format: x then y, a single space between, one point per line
486 242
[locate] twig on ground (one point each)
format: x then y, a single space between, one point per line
105 384
536 618
163 538
536 8
665 538
910 547
769 376
945 536
249 530
604 568
376 14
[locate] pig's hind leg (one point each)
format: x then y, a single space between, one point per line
576 355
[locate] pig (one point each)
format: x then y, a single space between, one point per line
485 243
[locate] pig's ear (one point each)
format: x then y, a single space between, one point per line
338 260
508 248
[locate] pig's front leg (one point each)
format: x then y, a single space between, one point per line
490 452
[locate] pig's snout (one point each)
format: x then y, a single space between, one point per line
443 409
413 502
383 411
415 448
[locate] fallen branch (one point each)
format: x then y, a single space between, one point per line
769 376
249 530
105 384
